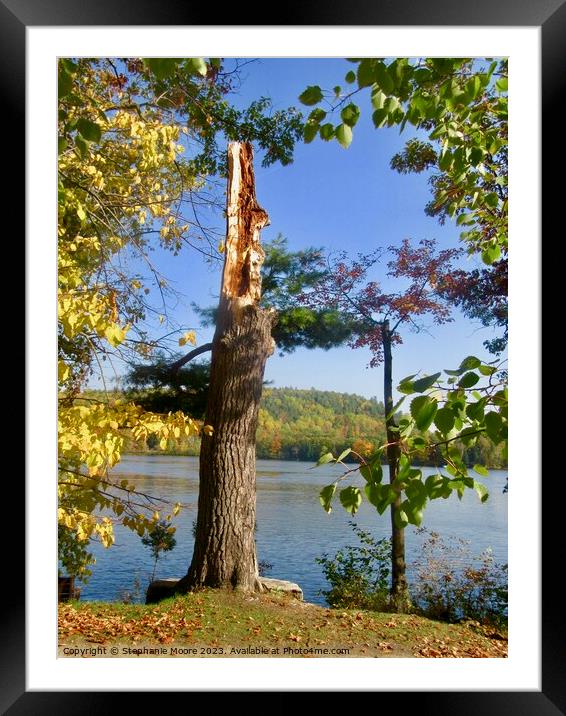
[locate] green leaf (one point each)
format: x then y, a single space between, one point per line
326 495
469 436
376 470
491 254
473 87
407 378
416 492
351 499
487 369
468 380
343 454
493 425
469 363
419 443
414 514
378 99
423 409
458 486
379 117
502 84
344 135
481 470
81 145
327 131
491 200
422 76
404 464
475 410
482 491
389 494
367 473
312 95
395 408
163 67
350 77
374 493
61 144
317 115
419 386
383 78
365 73
310 131
69 65
196 66
476 156
323 459
406 386
400 519
90 130
406 427
435 486
380 496
465 219
65 83
392 104
350 114
444 420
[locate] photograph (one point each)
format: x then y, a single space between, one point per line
282 334
277 293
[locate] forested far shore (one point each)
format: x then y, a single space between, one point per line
303 424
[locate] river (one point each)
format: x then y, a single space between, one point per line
292 527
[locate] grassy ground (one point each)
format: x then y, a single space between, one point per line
215 623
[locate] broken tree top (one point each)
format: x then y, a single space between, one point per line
245 218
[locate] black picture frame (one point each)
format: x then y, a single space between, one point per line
15 16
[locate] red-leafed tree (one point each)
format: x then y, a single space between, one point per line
420 271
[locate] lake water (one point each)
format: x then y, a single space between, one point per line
292 527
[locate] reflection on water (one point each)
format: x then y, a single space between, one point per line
292 527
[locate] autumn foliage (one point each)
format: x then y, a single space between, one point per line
415 271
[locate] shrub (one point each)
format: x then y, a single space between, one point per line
131 596
159 539
450 585
453 585
358 575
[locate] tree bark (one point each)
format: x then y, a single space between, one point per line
400 601
225 553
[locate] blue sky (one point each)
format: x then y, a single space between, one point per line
341 200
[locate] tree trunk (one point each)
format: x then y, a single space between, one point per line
225 553
400 601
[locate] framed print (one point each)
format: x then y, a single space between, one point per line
34 676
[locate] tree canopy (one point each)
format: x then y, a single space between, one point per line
136 143
457 108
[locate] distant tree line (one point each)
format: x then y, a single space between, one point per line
298 424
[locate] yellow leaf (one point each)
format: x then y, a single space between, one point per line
189 337
63 371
